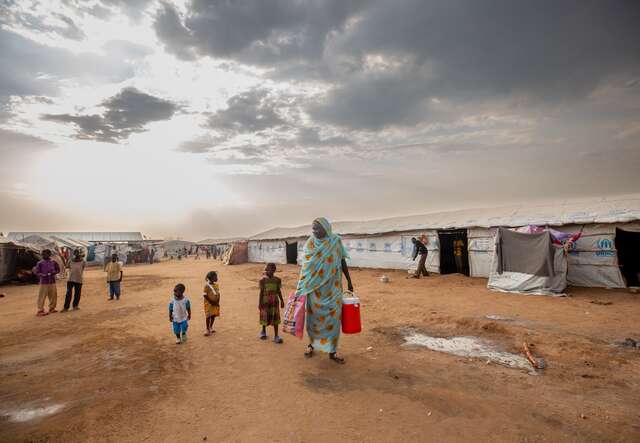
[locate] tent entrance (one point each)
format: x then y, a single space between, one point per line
628 247
454 251
292 253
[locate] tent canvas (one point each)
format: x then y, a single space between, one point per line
236 254
385 243
618 209
391 251
42 242
481 246
593 258
268 251
514 262
15 255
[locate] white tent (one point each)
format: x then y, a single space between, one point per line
90 237
386 243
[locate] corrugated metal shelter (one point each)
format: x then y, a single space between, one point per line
386 243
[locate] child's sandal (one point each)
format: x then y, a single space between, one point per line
335 358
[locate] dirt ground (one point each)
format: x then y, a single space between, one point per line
112 372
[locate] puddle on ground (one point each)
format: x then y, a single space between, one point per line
498 317
24 415
470 347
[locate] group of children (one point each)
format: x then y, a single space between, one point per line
269 303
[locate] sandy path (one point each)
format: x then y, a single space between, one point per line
115 374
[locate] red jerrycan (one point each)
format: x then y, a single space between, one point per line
351 323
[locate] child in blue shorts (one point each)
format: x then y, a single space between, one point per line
180 313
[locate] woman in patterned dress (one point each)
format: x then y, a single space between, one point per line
323 263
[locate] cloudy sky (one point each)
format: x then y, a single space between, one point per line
217 117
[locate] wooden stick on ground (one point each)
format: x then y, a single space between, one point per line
530 356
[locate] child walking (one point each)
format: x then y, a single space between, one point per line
270 302
180 313
211 296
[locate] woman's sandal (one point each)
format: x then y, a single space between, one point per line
309 353
335 358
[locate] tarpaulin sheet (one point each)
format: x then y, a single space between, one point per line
526 253
532 284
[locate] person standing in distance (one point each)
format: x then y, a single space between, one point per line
114 277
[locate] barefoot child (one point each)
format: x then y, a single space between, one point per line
211 296
270 302
180 313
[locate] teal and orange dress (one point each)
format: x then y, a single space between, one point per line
270 301
321 281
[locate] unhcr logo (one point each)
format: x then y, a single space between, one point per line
605 243
605 248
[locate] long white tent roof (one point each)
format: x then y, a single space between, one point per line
220 241
83 236
567 212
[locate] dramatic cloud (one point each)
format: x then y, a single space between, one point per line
271 116
35 69
105 9
386 60
252 111
295 108
548 52
56 23
255 31
310 136
198 145
125 113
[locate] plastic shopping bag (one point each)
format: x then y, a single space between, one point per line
294 314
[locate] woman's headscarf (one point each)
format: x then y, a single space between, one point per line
321 259
325 224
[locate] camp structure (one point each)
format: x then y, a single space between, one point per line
280 245
97 247
530 260
220 247
175 248
237 253
609 229
71 245
89 237
17 260
59 253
